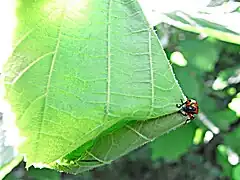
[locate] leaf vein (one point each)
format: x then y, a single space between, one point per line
30 104
22 39
108 61
138 133
20 74
99 160
151 70
49 79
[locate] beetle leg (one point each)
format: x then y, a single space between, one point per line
188 120
192 117
182 112
180 105
182 101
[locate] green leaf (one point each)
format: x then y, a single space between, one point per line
170 146
116 143
85 74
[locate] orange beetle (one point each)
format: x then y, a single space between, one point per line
188 108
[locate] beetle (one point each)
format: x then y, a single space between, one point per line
188 108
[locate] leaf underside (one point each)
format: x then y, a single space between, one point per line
87 79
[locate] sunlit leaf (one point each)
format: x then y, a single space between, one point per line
88 80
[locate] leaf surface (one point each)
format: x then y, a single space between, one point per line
81 70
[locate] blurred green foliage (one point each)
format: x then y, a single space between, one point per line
208 60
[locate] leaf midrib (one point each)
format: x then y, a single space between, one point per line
107 108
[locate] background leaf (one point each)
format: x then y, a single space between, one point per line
166 146
222 159
236 172
9 166
207 23
201 17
